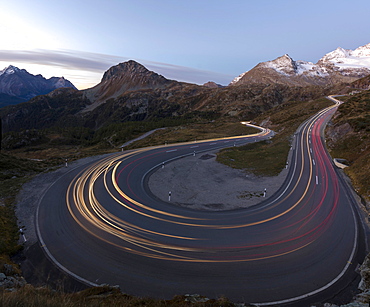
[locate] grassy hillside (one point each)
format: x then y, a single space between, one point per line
99 297
13 173
349 138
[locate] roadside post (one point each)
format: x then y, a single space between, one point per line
22 234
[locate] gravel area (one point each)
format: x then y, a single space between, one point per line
201 183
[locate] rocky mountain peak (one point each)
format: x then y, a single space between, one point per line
127 76
129 68
133 75
284 64
363 51
335 55
10 70
211 84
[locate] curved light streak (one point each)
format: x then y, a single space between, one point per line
93 216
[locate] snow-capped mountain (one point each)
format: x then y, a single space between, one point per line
356 58
17 85
340 65
9 70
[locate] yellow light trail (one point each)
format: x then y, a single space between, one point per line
91 212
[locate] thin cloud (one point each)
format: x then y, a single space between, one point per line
92 62
98 63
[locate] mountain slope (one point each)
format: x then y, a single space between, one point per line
349 138
338 66
127 76
363 83
17 85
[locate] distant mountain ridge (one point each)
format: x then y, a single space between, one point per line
130 92
338 66
17 85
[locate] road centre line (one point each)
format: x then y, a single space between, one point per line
171 150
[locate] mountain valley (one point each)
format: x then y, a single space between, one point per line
64 123
131 100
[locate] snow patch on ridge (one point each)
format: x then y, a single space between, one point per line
333 65
236 79
286 66
283 65
347 59
312 70
9 70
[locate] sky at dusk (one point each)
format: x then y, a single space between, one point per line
194 40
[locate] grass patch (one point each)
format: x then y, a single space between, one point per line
14 172
262 159
355 148
8 228
95 297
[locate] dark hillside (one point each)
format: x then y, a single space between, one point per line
349 138
57 109
363 83
63 114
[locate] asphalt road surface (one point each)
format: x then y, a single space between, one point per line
101 224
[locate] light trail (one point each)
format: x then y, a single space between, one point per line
309 219
109 228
